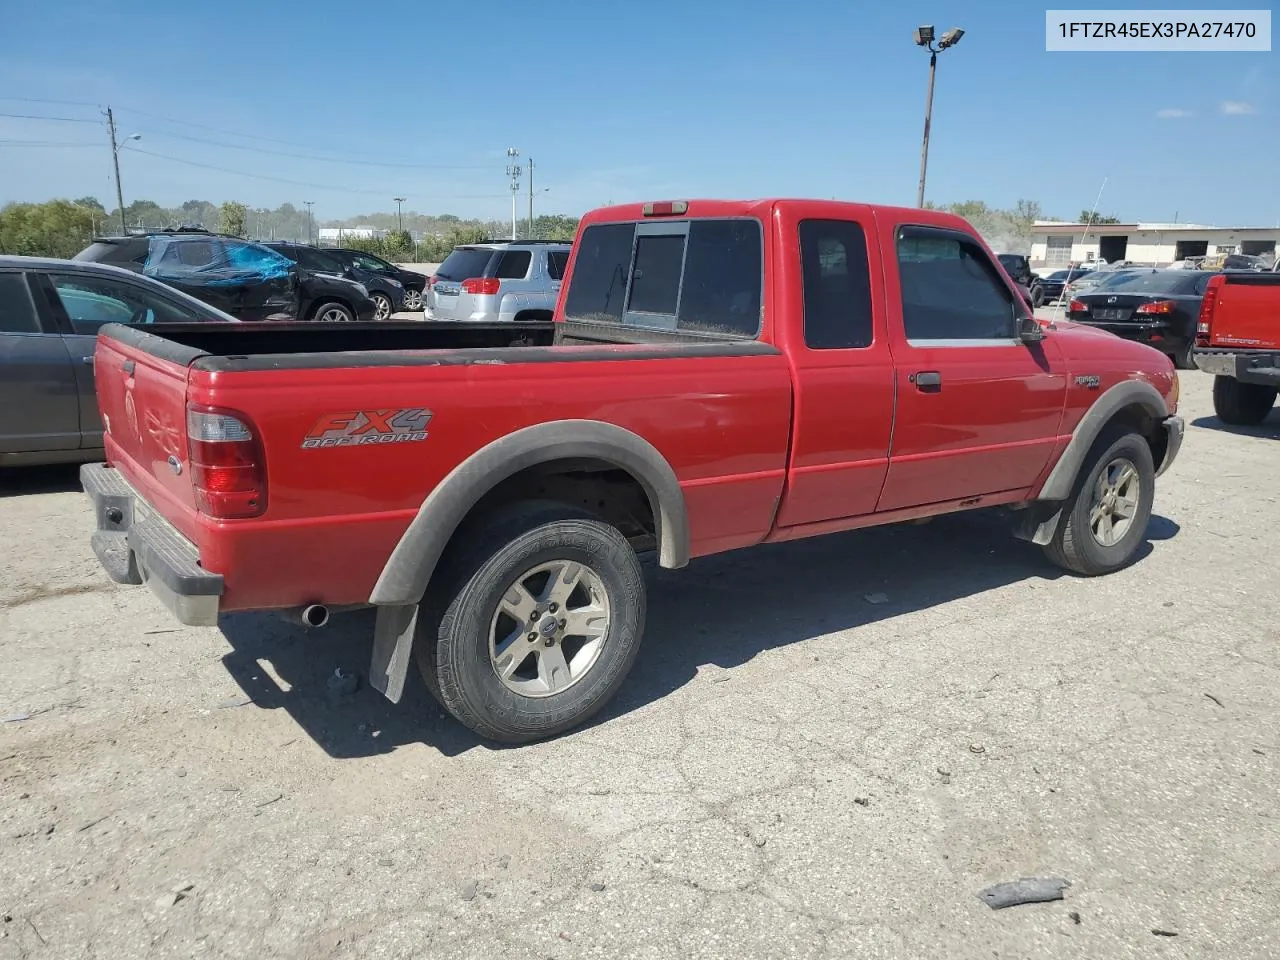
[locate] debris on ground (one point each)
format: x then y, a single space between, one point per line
180 892
234 702
343 684
876 598
504 861
1026 890
267 803
599 791
1075 917
469 891
1164 933
596 887
862 801
1214 699
15 718
977 748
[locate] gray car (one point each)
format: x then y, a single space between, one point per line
498 281
50 312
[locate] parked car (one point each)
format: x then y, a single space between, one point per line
1084 283
498 281
414 283
1053 285
719 374
1156 307
1238 341
1019 269
50 312
322 300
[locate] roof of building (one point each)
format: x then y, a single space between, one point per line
1058 226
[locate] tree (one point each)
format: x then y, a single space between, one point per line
232 217
57 228
1089 217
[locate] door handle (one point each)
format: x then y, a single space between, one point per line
927 380
87 361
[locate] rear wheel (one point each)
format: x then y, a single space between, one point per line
381 306
1106 516
1184 359
1241 404
1037 296
333 313
540 622
412 299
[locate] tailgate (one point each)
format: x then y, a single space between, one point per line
1247 313
143 399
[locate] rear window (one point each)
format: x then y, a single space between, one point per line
557 260
101 251
465 263
1150 281
701 276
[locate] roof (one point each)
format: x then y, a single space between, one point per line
53 263
1058 226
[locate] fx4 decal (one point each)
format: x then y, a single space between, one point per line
357 428
1089 380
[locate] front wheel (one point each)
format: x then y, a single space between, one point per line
381 306
333 313
539 627
1107 514
1037 296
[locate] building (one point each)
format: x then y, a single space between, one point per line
336 236
1055 244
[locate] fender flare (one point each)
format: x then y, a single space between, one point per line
408 571
1041 520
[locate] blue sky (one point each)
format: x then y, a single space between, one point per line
623 101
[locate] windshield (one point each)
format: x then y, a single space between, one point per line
1147 281
465 263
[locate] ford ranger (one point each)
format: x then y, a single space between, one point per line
1238 341
716 375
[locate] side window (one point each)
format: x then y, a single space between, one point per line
837 285
514 265
951 290
557 260
92 301
600 270
17 312
258 259
722 273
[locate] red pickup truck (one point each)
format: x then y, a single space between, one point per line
717 375
1238 341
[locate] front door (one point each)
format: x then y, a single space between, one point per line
38 405
978 411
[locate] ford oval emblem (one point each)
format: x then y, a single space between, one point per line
175 464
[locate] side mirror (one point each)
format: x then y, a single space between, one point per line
1029 330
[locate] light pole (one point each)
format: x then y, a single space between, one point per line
924 38
116 147
513 171
308 204
399 215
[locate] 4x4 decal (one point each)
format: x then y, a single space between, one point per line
357 428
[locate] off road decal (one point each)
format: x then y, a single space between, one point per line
357 428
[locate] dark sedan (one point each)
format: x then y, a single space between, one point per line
1156 307
328 280
1055 282
414 283
50 312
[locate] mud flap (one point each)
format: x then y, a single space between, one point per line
392 647
1039 522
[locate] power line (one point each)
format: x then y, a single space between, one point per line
30 116
46 143
295 183
60 103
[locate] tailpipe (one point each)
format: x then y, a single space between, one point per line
313 615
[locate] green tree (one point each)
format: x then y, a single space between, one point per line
56 228
1088 216
232 217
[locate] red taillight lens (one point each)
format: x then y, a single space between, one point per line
485 286
1208 306
1077 306
430 281
1159 307
228 472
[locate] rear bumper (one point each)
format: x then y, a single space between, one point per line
1159 334
135 545
1261 367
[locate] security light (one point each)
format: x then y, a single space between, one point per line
951 37
923 36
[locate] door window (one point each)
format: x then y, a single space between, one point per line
952 294
17 312
513 265
92 301
557 260
837 285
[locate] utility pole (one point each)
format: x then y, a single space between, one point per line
399 214
513 171
530 237
115 159
308 205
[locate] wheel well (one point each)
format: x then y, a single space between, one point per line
1137 418
603 488
531 315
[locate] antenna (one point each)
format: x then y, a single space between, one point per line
1084 236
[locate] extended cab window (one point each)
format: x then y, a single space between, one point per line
837 285
951 291
700 276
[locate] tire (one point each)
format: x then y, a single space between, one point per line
1184 359
1076 546
382 306
333 312
455 650
412 299
1241 404
1037 296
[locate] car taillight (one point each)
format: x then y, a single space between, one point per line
1208 306
1159 306
485 286
1077 306
228 471
430 281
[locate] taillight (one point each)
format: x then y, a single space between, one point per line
485 286
430 281
1077 306
228 471
1158 307
1208 306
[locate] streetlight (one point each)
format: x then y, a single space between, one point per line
308 204
924 38
399 215
513 171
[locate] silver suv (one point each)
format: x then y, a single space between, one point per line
503 280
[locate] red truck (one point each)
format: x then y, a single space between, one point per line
1238 341
717 375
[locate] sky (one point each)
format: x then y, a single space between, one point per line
349 105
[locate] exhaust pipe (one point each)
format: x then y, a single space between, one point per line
313 615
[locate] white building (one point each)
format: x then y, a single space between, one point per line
336 236
1055 244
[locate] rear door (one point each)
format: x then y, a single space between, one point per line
447 300
39 409
978 411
